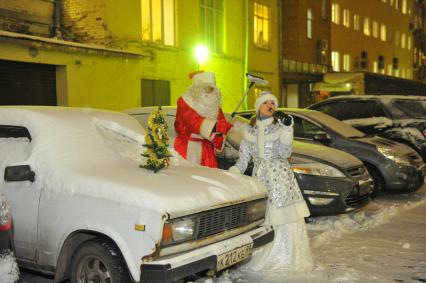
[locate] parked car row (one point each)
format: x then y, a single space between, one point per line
392 165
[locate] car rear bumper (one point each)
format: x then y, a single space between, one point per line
175 267
406 178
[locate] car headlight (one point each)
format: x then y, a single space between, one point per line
256 210
392 155
317 169
178 230
5 218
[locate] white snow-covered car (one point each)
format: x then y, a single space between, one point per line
84 210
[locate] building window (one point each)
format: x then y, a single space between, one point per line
367 26
383 32
404 6
397 39
402 40
375 29
335 61
211 24
390 69
356 22
346 62
409 42
158 21
381 64
309 22
335 13
346 18
155 92
261 25
324 9
364 60
375 68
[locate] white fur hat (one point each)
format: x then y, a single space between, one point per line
204 78
264 96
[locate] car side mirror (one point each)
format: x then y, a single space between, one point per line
19 173
321 137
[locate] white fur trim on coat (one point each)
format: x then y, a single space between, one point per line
234 169
206 128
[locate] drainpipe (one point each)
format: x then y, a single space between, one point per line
57 19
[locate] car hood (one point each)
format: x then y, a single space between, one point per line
329 154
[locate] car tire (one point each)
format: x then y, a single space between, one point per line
378 181
98 261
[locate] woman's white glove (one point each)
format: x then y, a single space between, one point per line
234 169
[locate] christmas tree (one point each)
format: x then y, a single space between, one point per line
156 142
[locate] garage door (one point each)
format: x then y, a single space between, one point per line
27 83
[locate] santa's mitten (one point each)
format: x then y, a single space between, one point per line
217 140
222 126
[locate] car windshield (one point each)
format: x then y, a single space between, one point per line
334 124
411 108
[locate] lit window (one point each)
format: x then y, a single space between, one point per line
346 18
346 62
211 24
391 2
335 13
375 67
367 26
404 6
390 69
356 22
403 40
310 19
261 25
375 29
383 32
409 41
335 61
397 4
158 21
384 1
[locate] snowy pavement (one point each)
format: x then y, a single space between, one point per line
384 242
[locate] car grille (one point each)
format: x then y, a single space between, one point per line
356 171
222 219
356 200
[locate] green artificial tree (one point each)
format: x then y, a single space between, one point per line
156 142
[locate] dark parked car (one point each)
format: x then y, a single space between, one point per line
400 118
331 181
6 231
393 166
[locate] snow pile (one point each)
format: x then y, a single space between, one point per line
379 122
9 271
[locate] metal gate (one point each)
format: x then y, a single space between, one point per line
27 83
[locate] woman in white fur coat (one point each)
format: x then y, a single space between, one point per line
268 142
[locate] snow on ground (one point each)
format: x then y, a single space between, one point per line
9 271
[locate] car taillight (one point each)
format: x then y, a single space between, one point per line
5 218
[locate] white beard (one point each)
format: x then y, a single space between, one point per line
205 104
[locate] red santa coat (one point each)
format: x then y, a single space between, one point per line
195 136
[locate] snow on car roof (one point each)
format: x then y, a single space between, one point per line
379 96
97 153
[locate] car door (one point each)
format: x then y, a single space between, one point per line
15 149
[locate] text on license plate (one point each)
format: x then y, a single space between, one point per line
232 257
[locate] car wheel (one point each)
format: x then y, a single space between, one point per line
378 182
98 261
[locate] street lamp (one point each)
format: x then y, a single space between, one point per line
201 53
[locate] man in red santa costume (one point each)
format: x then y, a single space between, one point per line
200 123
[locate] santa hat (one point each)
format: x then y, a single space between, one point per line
200 78
264 96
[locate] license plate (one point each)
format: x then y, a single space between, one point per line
232 257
